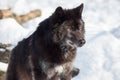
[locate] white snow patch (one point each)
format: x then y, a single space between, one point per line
3 66
11 31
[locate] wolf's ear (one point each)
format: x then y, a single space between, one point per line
59 11
79 10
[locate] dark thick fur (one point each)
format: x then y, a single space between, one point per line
49 52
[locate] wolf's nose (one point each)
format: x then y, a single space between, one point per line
82 42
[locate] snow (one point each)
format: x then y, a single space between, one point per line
103 59
11 31
99 58
3 67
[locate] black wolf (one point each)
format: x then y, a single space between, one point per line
48 54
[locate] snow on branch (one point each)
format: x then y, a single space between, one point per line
4 46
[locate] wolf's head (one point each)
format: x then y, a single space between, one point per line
64 29
68 28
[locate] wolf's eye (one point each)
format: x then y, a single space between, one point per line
73 28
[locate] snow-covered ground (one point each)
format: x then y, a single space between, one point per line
99 59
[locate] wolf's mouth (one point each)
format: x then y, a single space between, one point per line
71 44
68 46
76 43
